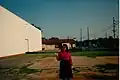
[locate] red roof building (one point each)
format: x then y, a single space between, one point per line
57 42
49 44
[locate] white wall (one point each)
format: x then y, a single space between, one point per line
14 31
68 44
34 37
74 45
48 47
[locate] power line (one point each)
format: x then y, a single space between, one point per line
101 31
111 27
106 29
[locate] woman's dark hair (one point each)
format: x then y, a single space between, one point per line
66 47
60 46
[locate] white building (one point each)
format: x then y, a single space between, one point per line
16 35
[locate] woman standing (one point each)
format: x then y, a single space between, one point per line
64 57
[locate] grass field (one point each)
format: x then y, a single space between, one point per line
84 53
95 53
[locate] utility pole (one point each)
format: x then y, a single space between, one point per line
106 34
118 31
81 34
114 27
68 38
88 36
94 37
88 32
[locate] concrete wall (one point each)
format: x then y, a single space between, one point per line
48 47
68 44
14 31
74 45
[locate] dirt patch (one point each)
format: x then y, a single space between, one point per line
109 59
84 68
50 62
19 61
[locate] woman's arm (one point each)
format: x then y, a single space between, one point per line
58 56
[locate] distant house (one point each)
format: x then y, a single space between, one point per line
52 44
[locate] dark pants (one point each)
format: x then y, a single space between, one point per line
65 70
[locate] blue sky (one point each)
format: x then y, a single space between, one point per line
62 18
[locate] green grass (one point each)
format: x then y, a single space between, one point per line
83 53
51 54
94 53
42 55
28 70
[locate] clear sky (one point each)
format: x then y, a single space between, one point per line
62 18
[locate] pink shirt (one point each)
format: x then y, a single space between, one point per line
65 56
